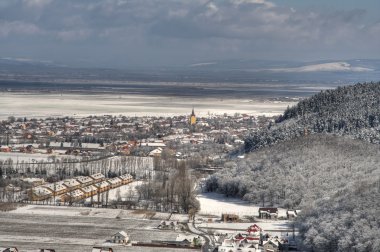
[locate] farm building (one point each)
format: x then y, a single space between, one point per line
268 212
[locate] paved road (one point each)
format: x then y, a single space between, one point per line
209 242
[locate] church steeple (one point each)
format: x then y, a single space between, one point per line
193 118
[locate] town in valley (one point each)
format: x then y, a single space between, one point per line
108 167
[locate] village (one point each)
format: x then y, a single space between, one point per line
139 136
109 169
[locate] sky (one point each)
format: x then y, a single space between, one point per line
129 33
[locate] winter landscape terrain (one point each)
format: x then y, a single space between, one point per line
177 125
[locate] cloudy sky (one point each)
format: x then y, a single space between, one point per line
125 33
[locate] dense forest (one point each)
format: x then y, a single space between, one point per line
350 110
334 180
314 158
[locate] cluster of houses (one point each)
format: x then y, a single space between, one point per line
71 190
98 134
253 240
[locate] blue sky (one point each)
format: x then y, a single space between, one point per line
125 33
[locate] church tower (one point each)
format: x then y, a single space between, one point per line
193 118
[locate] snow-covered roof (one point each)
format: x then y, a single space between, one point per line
126 176
102 184
121 233
84 179
41 191
89 189
76 193
114 180
71 183
55 187
97 176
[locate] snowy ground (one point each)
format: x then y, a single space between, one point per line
214 204
44 105
125 192
76 229
217 204
30 157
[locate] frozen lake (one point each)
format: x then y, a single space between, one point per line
142 99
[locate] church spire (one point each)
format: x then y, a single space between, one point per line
193 118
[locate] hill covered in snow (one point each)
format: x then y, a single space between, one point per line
352 111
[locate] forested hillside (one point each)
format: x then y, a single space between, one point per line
335 180
351 110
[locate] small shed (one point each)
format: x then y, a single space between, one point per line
120 238
230 218
268 212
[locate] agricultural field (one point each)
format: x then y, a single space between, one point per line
78 229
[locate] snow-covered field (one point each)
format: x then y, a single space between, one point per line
30 157
214 204
218 204
77 228
44 105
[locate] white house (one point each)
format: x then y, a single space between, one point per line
120 237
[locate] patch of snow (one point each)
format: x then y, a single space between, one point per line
218 204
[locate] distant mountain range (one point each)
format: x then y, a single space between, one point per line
228 71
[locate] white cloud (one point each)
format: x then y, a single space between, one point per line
74 35
36 3
261 2
18 28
